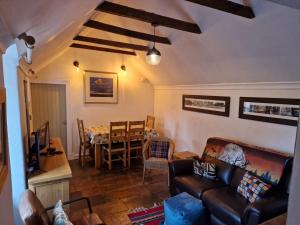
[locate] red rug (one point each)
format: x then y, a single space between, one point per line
151 216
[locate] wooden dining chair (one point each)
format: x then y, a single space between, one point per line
84 144
150 122
116 148
136 136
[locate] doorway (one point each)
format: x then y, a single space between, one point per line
49 103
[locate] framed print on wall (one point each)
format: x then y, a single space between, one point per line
3 140
217 105
272 110
101 87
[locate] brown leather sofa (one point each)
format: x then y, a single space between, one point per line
32 211
225 205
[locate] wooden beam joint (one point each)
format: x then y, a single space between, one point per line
122 31
149 17
96 48
227 6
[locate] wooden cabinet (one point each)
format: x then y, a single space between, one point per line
52 184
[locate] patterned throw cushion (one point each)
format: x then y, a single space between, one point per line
59 215
204 169
159 149
252 188
209 170
198 170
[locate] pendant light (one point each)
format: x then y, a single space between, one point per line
153 56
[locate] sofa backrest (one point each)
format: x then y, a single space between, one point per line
267 164
224 171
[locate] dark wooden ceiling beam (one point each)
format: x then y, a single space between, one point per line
96 48
122 31
111 43
227 6
138 14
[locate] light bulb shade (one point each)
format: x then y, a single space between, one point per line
153 56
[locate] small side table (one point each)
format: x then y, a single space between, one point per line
184 155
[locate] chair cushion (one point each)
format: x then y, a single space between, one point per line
31 210
225 204
252 188
90 219
195 185
184 209
159 149
156 163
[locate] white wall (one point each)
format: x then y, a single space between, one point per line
6 213
191 129
136 97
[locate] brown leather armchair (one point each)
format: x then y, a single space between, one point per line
32 211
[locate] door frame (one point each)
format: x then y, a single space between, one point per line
68 110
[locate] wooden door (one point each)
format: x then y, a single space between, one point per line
49 103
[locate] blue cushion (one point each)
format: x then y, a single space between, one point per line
184 209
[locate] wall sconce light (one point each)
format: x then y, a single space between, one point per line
29 42
123 70
76 64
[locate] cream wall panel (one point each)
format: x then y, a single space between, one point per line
135 94
191 129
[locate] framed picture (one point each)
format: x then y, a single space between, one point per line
101 87
3 140
272 110
217 105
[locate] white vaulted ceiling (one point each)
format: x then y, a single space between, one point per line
230 49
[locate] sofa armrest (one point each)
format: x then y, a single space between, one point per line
181 167
265 208
176 168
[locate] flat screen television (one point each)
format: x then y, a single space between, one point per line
41 140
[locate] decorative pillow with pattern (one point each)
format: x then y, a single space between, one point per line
59 215
204 169
209 170
252 188
198 170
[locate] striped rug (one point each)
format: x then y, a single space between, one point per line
151 216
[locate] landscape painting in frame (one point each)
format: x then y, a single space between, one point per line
101 87
217 105
273 110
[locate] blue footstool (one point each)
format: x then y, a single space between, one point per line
184 209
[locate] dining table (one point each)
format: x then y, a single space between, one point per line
99 135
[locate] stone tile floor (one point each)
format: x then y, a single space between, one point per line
113 193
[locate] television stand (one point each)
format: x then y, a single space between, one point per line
53 184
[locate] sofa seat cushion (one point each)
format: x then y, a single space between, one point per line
195 185
225 204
